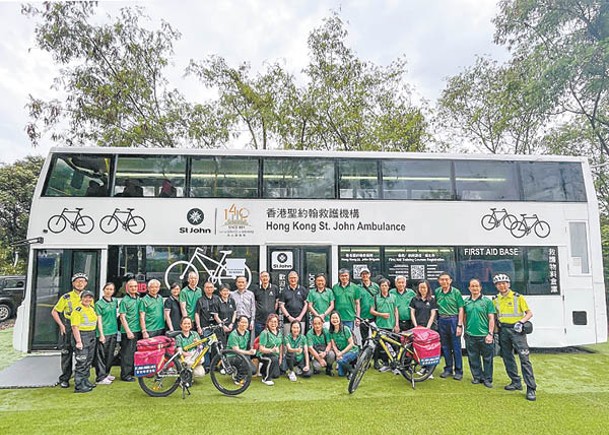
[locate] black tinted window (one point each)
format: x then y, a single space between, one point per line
416 179
553 181
298 178
222 177
78 175
486 181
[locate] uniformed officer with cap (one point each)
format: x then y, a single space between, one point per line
61 313
512 313
84 322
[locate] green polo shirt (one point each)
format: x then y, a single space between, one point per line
190 297
321 300
476 316
367 299
344 300
153 310
403 302
242 342
341 339
182 340
268 339
314 340
296 343
107 311
450 302
386 304
129 306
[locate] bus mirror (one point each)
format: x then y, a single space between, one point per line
77 180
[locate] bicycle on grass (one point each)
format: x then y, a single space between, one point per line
403 359
229 371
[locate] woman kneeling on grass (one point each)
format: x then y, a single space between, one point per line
186 337
296 352
319 347
270 350
343 345
239 341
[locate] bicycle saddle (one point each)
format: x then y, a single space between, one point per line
226 252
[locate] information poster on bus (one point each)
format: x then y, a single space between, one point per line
419 263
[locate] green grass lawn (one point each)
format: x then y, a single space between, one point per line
573 397
8 355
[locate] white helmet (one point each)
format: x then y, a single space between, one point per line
80 275
501 277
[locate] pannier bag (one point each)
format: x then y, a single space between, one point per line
426 346
150 354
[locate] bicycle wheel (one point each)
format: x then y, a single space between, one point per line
84 224
230 372
414 371
488 222
519 229
108 224
542 229
136 225
177 271
362 364
57 223
164 382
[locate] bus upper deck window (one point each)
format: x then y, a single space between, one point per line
150 176
78 175
553 181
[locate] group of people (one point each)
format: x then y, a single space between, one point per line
298 331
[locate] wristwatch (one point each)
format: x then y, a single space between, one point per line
459 326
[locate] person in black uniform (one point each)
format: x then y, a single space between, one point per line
267 301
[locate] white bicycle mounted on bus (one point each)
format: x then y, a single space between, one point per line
215 274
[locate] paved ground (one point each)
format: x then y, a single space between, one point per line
31 372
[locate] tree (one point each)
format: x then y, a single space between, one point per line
345 103
499 108
17 183
112 90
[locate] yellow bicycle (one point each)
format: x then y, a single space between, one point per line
230 371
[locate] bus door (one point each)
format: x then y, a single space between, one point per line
53 270
308 261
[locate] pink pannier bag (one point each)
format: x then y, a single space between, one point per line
150 354
426 345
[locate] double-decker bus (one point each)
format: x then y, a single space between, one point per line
116 213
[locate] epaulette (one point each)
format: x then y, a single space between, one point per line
66 296
79 308
516 295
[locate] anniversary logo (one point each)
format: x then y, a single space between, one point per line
324 219
235 221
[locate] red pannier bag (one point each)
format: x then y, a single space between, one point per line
426 346
150 354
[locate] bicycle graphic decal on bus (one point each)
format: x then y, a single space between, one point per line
127 220
517 227
74 218
215 271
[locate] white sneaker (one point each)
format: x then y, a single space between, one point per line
269 382
110 377
397 372
385 369
104 381
292 377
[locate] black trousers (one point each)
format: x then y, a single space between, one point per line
270 366
84 359
511 340
291 361
104 355
405 325
128 348
66 343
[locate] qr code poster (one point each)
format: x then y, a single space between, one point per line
417 271
357 270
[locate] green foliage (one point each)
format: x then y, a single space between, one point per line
346 103
17 183
113 90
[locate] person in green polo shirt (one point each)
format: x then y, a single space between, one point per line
368 292
239 341
403 296
343 345
186 337
152 319
450 326
479 327
130 329
321 299
189 296
270 350
296 352
385 309
107 329
347 299
320 347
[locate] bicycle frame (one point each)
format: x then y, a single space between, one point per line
207 343
201 258
384 339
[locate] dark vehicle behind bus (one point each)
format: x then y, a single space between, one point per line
12 290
